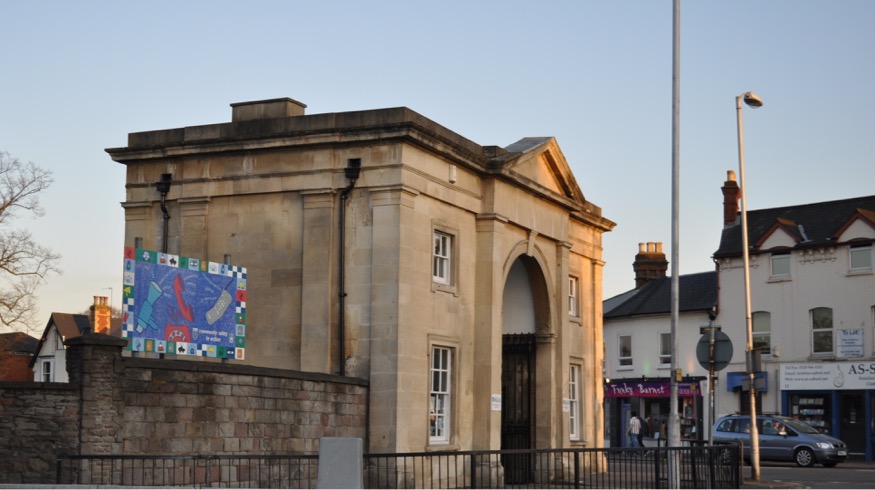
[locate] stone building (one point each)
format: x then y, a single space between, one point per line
462 282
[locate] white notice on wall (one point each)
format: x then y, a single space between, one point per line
566 405
496 403
850 342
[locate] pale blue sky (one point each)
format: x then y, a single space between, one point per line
79 76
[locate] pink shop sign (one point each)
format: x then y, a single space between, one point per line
651 389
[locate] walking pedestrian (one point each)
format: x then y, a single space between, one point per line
633 428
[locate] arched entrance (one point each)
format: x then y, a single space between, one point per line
524 307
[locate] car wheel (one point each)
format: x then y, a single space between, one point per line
830 464
804 457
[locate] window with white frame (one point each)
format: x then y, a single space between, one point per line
47 374
574 401
761 330
821 331
440 395
573 296
664 349
860 258
59 340
441 265
625 350
781 264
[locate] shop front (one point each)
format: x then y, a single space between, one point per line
738 382
651 399
837 398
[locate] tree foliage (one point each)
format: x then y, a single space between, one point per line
24 264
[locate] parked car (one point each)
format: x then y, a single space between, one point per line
782 439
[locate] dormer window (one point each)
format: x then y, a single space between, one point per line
860 258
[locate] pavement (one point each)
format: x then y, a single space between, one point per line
748 483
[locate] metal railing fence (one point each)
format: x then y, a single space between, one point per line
695 467
198 471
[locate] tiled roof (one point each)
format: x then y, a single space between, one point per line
71 325
526 144
697 292
815 225
17 343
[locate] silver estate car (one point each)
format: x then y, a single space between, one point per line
782 439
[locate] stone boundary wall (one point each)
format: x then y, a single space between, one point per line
145 406
37 421
184 407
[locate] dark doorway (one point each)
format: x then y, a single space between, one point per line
517 405
853 423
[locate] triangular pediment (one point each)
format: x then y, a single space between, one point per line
782 233
861 224
539 163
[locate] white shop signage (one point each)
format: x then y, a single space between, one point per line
828 376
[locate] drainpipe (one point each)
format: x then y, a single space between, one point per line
353 167
163 187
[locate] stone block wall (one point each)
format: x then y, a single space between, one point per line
118 405
181 407
37 421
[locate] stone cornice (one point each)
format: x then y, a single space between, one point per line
303 132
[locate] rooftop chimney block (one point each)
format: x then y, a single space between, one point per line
731 195
266 109
650 263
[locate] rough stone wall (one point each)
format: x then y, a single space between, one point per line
170 407
37 421
181 407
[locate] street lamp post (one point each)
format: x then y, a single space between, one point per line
674 430
754 102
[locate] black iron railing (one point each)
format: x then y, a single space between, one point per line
694 467
221 471
687 467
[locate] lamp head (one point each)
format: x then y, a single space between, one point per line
353 168
752 100
163 185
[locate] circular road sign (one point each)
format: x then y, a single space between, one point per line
722 350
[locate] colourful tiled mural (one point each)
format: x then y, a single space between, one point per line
185 306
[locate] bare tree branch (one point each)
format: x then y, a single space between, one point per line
24 264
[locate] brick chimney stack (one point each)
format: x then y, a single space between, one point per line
731 195
650 263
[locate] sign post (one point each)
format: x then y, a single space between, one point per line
714 352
